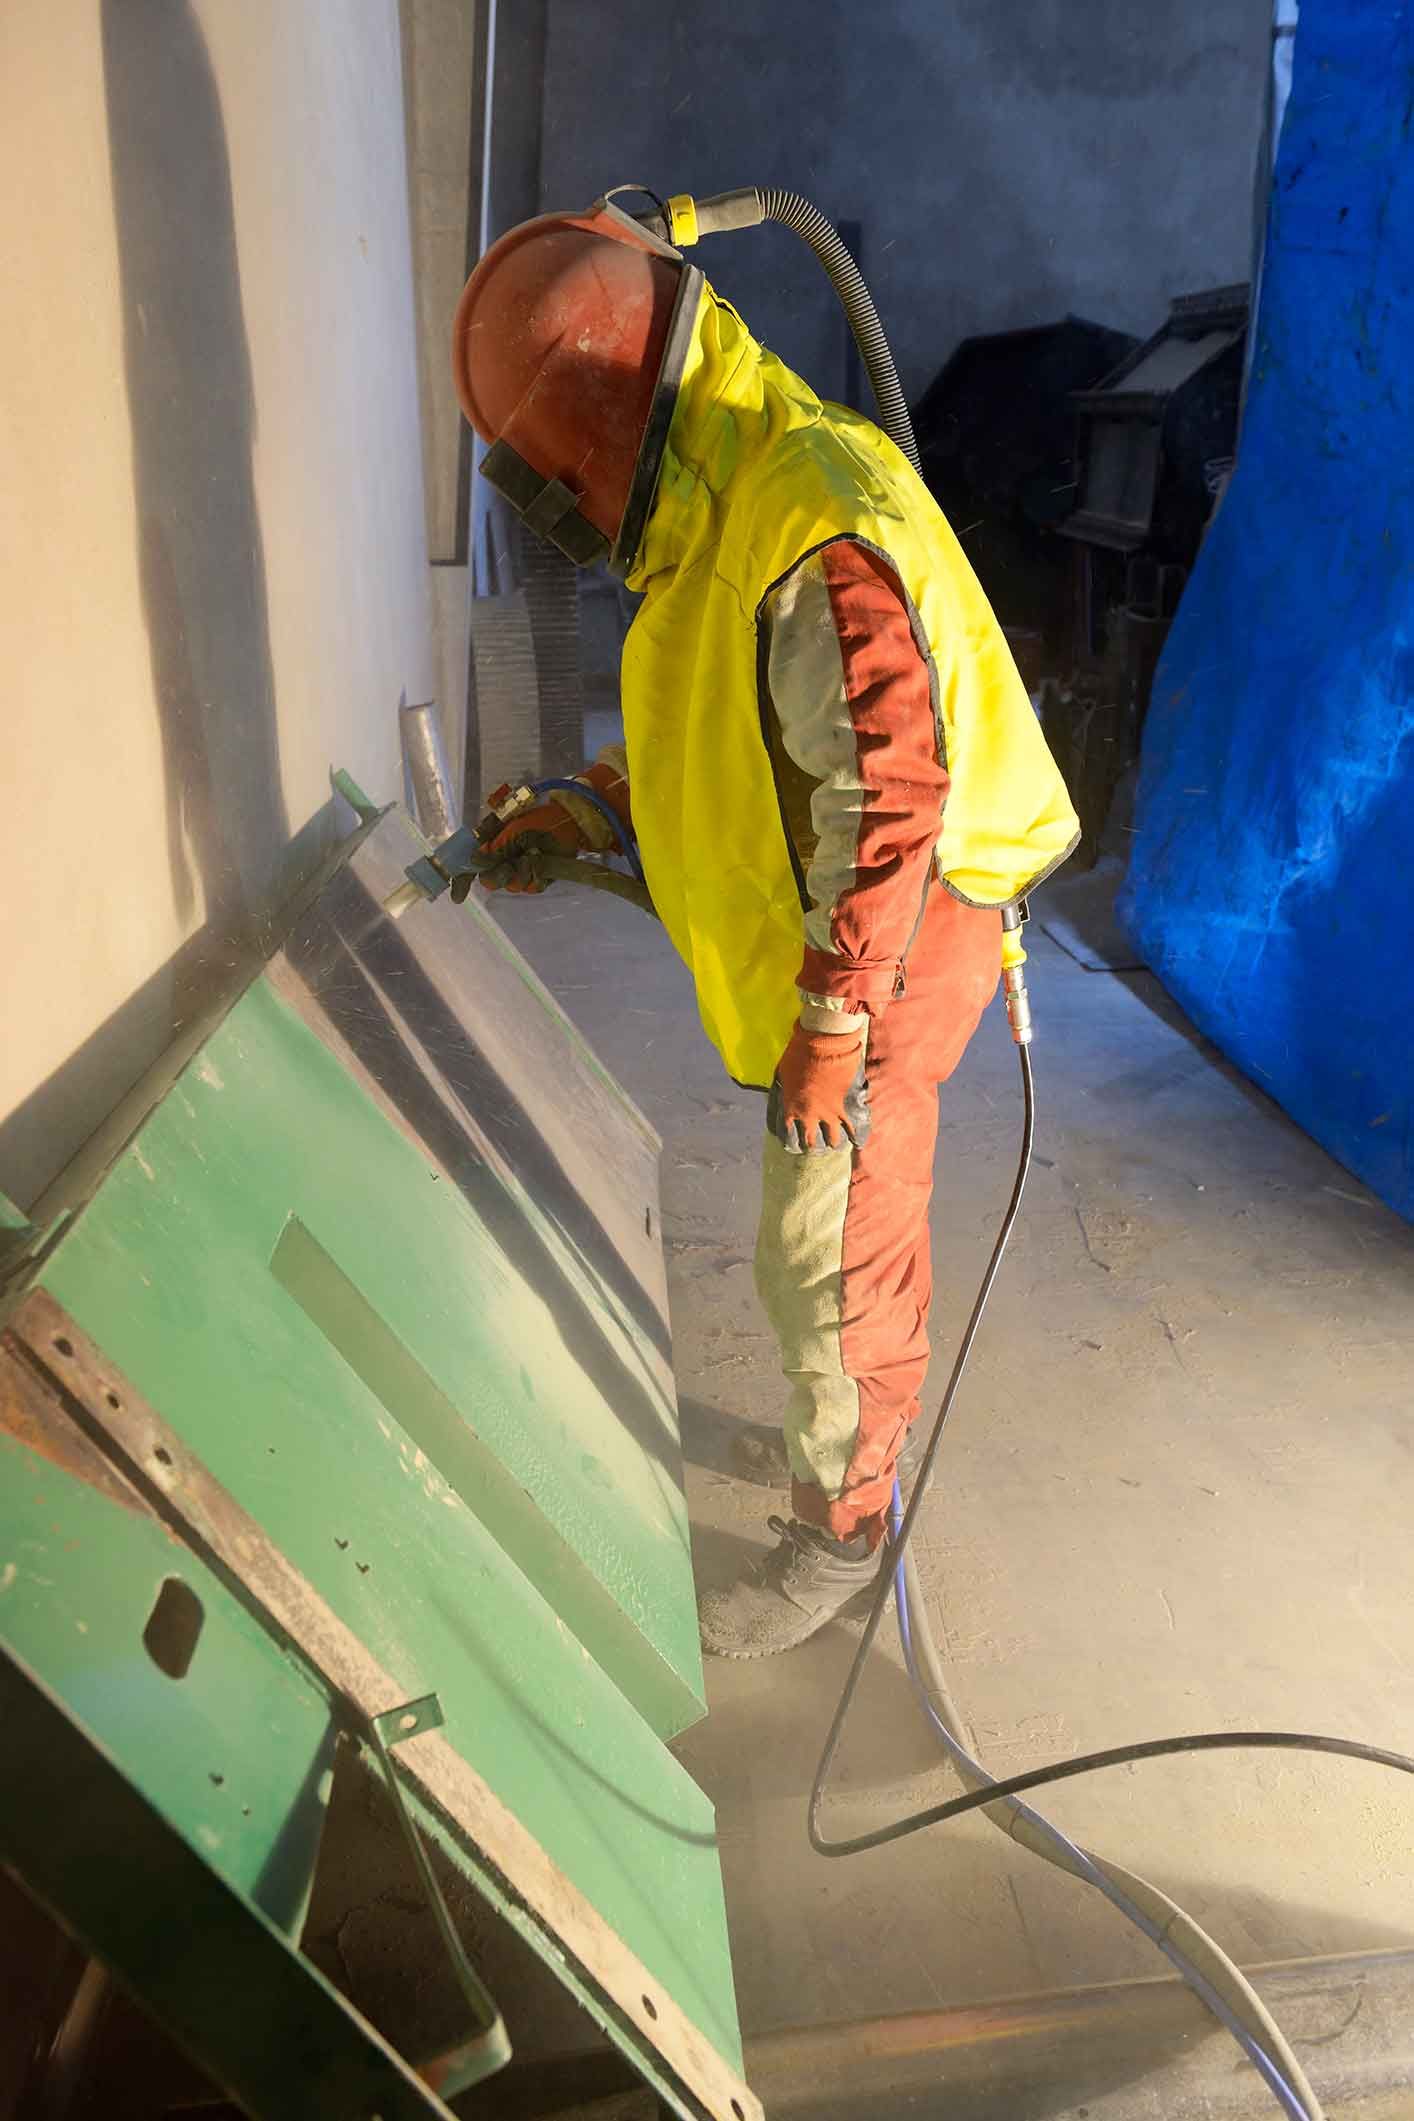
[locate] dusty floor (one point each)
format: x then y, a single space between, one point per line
1176 1495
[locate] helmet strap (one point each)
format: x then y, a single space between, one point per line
546 506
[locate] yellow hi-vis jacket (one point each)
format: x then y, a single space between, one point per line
757 475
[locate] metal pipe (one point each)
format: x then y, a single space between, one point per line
1128 2051
429 777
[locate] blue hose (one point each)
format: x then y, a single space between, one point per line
1082 1862
627 844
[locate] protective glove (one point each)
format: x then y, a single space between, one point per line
819 1098
547 825
569 828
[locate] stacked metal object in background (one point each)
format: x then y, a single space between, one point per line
1080 470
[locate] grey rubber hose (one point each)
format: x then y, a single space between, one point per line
1177 1935
748 208
792 211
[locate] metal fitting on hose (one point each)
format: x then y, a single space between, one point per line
1018 1004
684 220
1012 976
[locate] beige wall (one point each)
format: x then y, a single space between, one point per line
213 558
439 65
443 92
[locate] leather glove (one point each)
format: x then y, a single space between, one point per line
547 825
819 1098
570 828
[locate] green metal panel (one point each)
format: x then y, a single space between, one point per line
314 1191
363 1335
170 1270
525 1282
80 1574
211 1966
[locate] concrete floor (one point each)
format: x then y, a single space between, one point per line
1175 1497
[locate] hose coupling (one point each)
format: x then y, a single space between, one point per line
1018 1004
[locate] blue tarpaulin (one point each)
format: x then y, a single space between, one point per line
1270 882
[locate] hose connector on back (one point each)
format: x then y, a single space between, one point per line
1018 1002
683 220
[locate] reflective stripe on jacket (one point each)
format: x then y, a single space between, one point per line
759 481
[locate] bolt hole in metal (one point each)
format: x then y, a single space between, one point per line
174 1628
63 1345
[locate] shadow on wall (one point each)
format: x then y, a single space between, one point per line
192 408
201 567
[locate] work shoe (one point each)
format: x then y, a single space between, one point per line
783 1600
758 1454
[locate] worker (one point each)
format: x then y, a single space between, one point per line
834 778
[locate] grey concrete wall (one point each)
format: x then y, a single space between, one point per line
1008 160
213 557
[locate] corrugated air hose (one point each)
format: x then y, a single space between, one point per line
683 220
792 211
